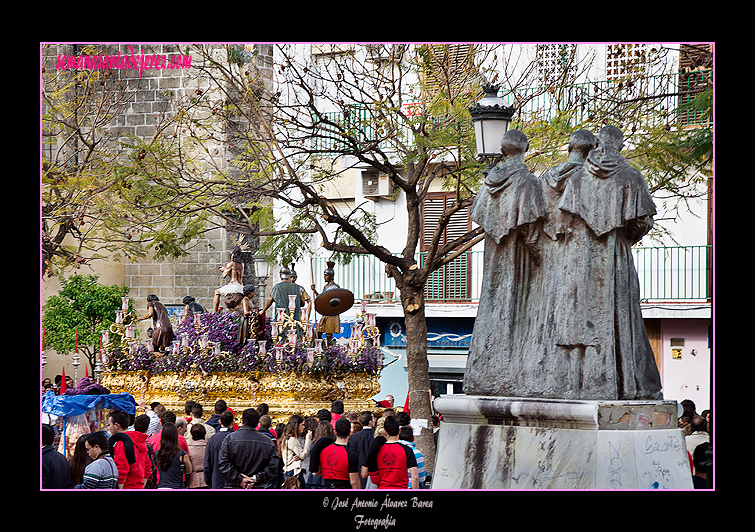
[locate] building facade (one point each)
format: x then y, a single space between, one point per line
674 266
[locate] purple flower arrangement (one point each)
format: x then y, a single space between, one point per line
223 328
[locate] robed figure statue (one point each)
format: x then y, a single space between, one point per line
600 325
559 313
510 208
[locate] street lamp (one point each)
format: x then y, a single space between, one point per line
491 119
262 271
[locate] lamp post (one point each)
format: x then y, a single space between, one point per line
491 118
262 271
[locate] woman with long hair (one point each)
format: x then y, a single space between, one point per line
323 430
172 462
292 452
79 461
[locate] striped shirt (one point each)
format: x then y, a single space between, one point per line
420 462
100 474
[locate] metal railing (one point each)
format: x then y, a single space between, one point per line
668 92
675 273
583 100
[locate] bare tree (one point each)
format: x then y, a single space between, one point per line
401 111
107 194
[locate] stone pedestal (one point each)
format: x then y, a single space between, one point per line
519 443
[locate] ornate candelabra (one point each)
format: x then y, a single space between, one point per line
124 327
366 333
287 329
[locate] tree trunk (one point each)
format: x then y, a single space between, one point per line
413 301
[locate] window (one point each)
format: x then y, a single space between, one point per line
696 75
625 60
451 67
556 63
452 281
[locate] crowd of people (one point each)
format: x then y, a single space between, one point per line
159 450
332 450
697 429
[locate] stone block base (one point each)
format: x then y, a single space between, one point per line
519 443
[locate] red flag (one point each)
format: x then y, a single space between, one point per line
63 385
86 371
406 404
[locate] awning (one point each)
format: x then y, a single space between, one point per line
439 360
74 405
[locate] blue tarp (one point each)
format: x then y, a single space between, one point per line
74 405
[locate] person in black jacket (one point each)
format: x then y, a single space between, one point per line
55 472
247 458
212 475
360 442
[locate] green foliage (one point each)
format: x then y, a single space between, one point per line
108 197
290 247
82 305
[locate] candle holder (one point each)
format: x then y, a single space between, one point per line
206 347
76 362
99 367
199 327
286 322
123 327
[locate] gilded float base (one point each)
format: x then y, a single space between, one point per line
285 393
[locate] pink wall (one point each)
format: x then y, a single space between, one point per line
688 377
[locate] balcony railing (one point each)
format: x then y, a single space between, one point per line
673 273
677 273
583 100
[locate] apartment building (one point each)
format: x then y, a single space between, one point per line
674 266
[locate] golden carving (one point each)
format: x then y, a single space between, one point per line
285 393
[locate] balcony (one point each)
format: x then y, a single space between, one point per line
666 274
582 101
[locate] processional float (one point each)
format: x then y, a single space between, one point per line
286 367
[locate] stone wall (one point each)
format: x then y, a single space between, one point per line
155 92
195 274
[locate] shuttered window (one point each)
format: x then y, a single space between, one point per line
452 281
452 65
696 75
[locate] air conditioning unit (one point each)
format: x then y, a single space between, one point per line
375 184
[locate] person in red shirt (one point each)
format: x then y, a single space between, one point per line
334 461
389 462
128 449
139 437
154 440
336 412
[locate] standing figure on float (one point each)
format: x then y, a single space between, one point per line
235 268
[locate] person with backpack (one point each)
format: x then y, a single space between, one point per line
152 471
